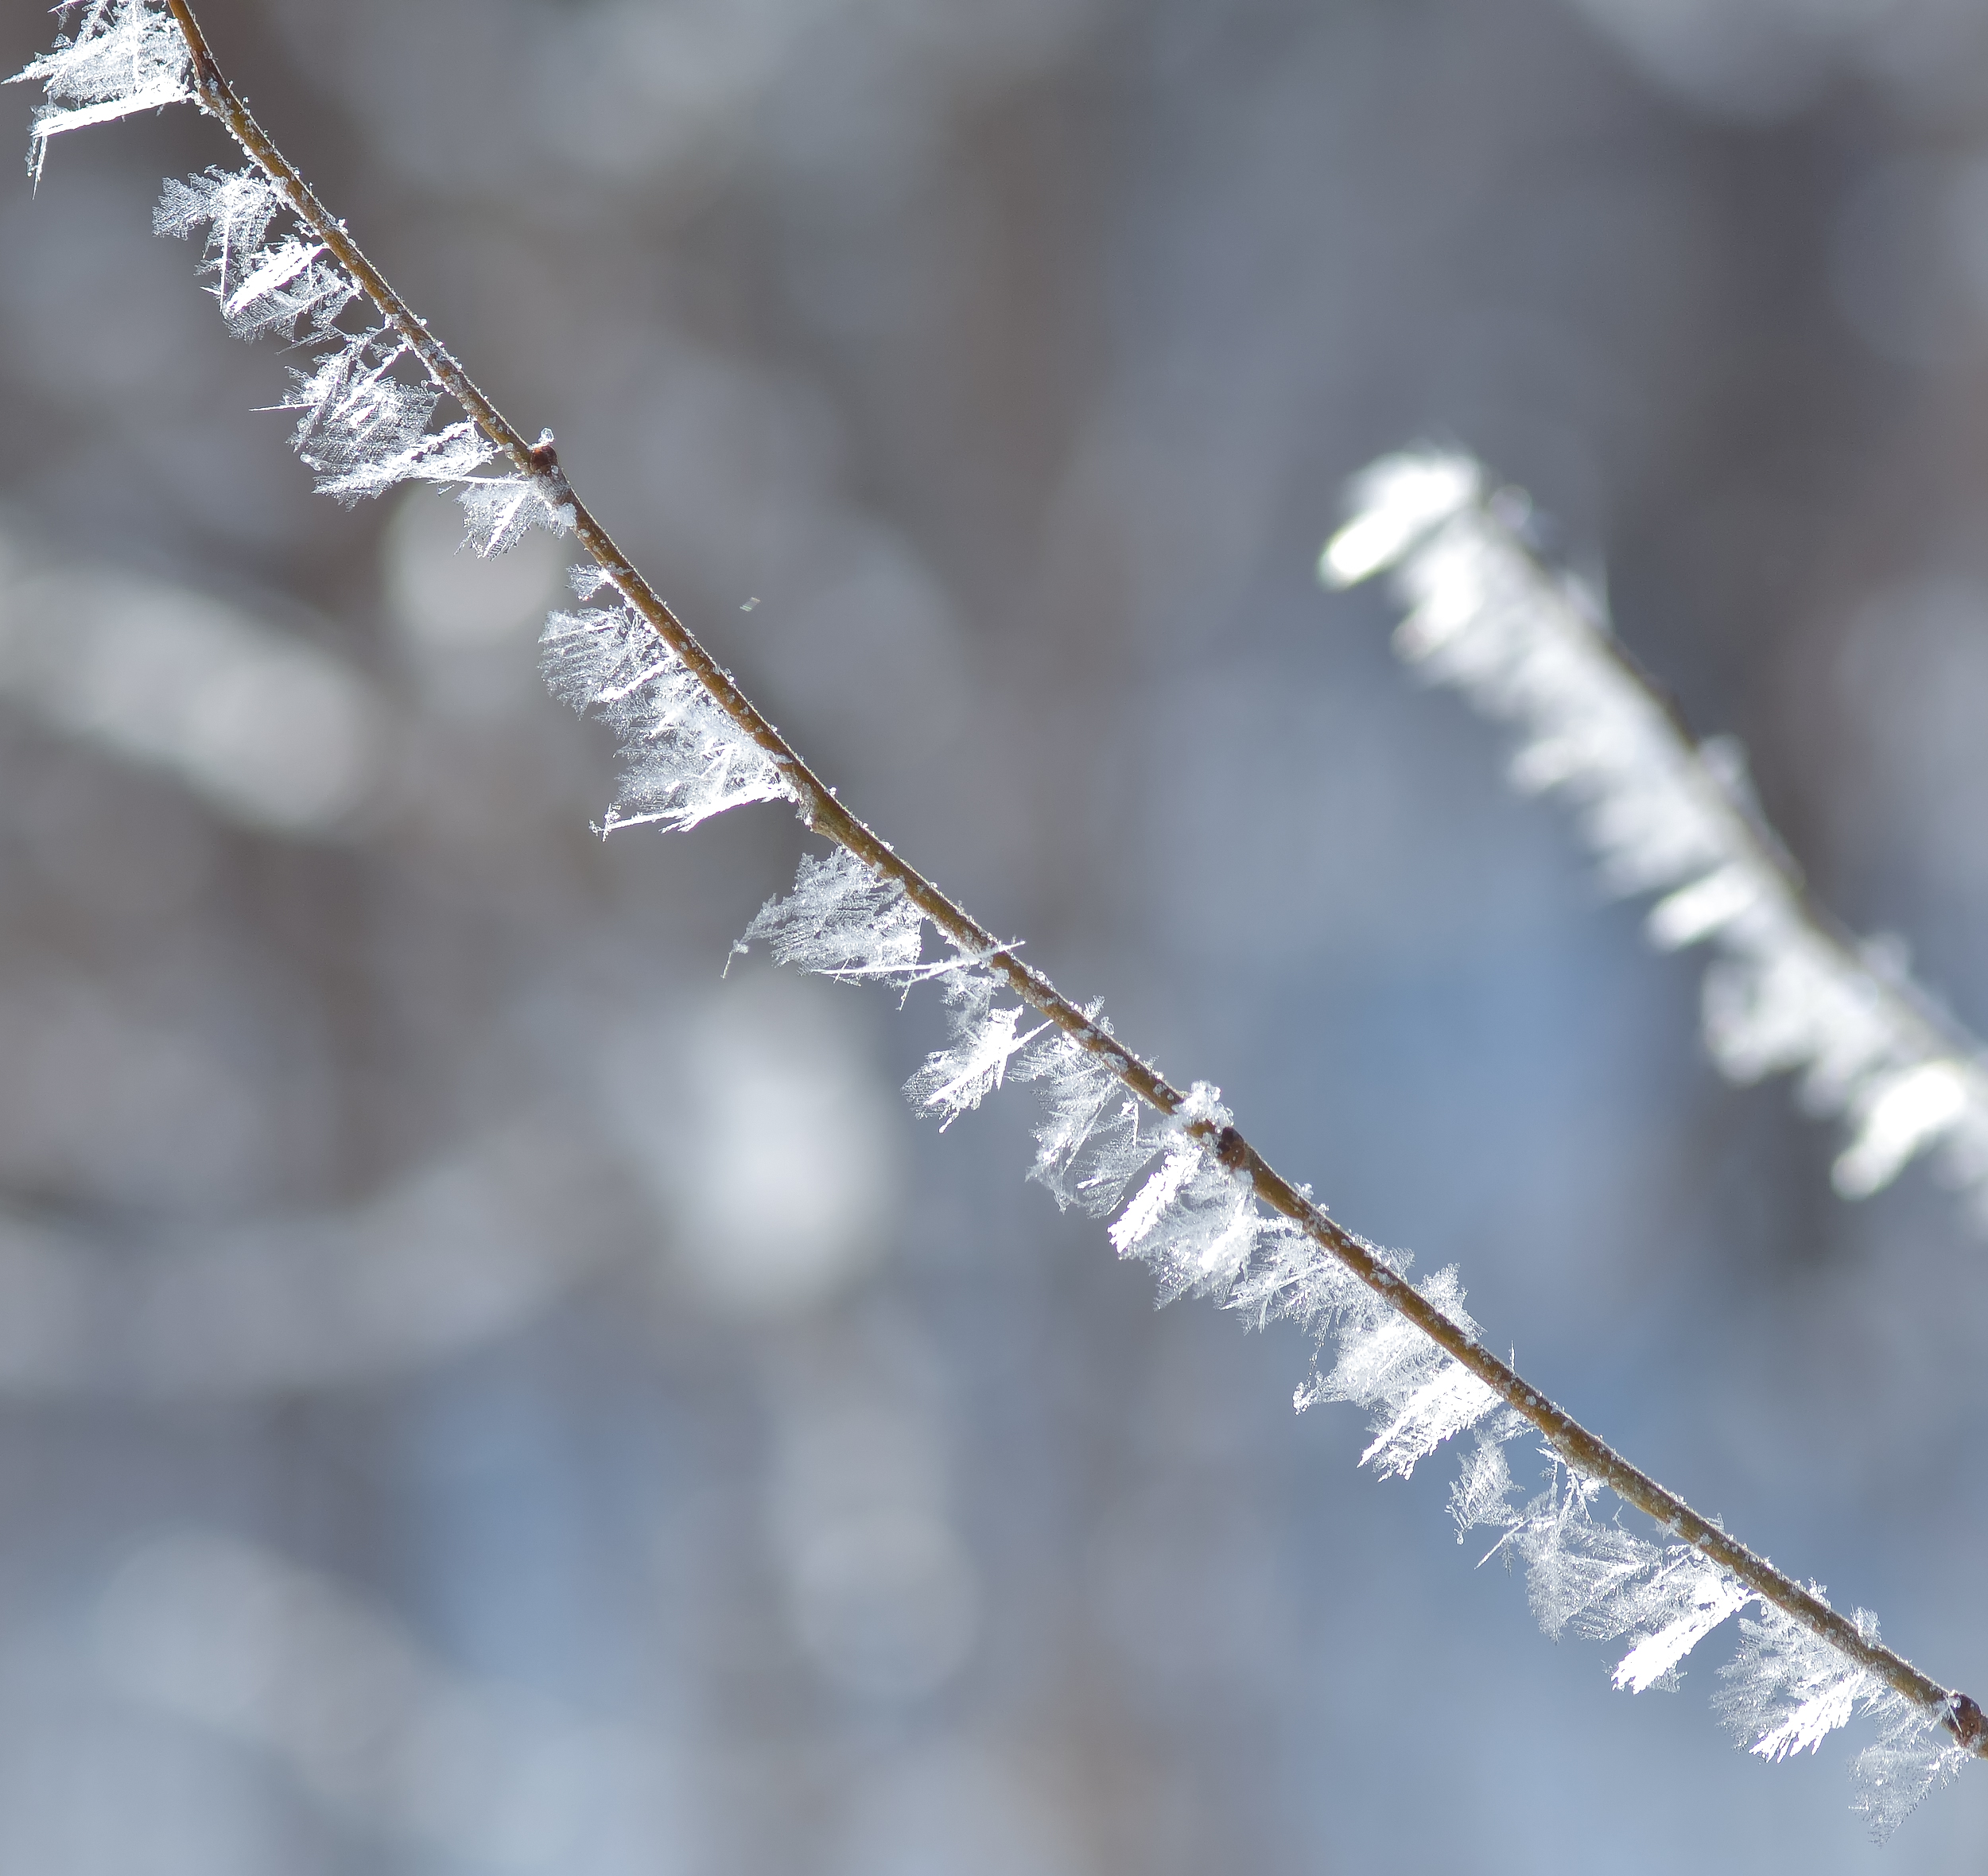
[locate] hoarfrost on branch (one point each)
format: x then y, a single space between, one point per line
1524 644
683 759
984 1041
845 921
1531 647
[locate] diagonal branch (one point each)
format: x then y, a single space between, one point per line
1583 1451
1792 989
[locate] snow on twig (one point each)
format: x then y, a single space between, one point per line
1212 1216
1786 992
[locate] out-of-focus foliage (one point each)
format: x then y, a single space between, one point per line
566 1373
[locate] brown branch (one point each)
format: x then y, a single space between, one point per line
1581 1450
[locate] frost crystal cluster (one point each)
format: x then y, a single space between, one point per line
121 57
1177 1185
1532 647
1788 1690
366 402
366 407
684 758
1196 1222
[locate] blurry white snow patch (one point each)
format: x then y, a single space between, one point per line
1531 647
443 598
227 1637
769 1140
1896 1116
268 729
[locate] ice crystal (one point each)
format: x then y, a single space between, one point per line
1669 1612
984 1041
1586 1575
1532 647
365 404
1575 1563
1419 1393
1484 1483
261 288
1788 1690
684 759
1194 1221
1095 1135
1914 1755
362 429
1292 1278
845 921
122 56
498 510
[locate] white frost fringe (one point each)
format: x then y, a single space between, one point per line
1195 1221
122 56
1522 643
1532 645
684 759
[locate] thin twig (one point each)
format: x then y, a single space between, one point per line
1581 1450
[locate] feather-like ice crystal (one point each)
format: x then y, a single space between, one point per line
1913 1756
261 288
1419 1394
1194 1220
1682 1601
1575 1563
685 760
1095 1135
122 56
984 1041
843 921
1788 1690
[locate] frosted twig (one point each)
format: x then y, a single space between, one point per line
1406 1351
1789 990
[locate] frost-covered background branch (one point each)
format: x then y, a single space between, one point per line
1788 992
832 1442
